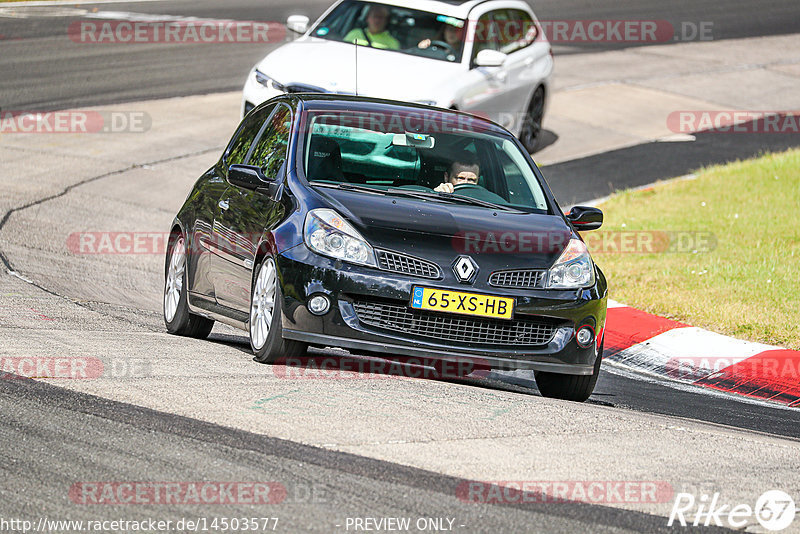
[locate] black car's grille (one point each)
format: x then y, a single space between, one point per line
400 263
399 318
524 278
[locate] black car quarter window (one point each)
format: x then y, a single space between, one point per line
270 150
246 135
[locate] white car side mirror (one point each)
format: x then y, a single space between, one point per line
297 24
490 58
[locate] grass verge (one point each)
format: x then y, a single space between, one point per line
732 264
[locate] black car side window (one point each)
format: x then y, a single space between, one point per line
245 136
270 151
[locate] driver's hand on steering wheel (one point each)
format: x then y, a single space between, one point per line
425 43
446 187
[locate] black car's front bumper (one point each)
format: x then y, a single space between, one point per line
304 274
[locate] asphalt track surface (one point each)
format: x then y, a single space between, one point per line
80 437
52 437
44 70
597 176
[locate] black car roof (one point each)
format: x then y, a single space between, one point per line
317 101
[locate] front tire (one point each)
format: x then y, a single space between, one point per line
576 388
531 133
266 317
177 318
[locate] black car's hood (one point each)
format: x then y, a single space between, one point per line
441 232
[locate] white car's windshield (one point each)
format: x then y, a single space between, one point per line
431 157
400 29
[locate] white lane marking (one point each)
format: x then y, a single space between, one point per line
677 138
54 3
15 274
146 17
615 304
15 12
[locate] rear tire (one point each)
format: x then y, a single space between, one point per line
266 318
576 388
177 317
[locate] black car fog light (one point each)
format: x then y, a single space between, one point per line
585 336
319 304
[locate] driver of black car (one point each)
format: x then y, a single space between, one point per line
465 169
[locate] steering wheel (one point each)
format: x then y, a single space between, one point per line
467 186
442 45
416 188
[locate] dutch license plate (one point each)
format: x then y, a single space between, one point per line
443 300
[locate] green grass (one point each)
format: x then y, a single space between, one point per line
748 285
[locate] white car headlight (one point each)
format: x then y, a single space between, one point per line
327 233
574 268
268 82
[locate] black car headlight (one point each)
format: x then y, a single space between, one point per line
327 233
268 82
574 269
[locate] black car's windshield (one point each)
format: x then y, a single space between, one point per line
421 155
410 31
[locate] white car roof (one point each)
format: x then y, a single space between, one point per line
452 8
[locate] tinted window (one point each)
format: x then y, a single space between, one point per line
243 139
395 28
517 29
270 151
487 34
419 152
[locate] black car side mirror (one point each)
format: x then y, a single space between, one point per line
247 176
584 218
253 178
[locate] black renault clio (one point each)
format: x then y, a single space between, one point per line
388 228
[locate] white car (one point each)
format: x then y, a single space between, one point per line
487 57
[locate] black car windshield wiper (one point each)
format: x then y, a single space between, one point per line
479 202
349 187
451 197
424 195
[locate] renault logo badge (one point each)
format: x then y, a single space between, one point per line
465 269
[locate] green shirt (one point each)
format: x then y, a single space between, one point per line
379 40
